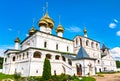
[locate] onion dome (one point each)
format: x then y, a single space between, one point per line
17 40
59 28
85 30
42 22
46 20
32 30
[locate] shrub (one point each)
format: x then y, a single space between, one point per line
17 76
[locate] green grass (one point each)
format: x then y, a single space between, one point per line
88 79
3 76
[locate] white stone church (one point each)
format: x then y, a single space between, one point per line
81 56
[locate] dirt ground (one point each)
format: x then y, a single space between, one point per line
109 77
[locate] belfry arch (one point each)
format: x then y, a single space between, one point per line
79 69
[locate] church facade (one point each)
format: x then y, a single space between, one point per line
81 56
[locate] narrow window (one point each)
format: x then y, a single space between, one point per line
27 54
45 44
67 48
14 58
56 46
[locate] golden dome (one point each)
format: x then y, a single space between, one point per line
46 20
60 28
42 22
85 30
32 30
17 40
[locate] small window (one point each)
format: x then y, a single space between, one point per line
36 71
63 58
67 48
45 44
14 58
56 46
98 61
87 43
5 59
23 55
27 54
69 62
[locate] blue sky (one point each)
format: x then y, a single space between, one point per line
101 18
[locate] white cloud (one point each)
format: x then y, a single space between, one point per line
115 52
10 29
118 33
3 48
112 25
27 35
73 29
115 20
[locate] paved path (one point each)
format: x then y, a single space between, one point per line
109 77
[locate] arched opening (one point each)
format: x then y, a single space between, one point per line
64 71
80 42
69 62
57 57
63 58
92 44
79 69
37 54
87 43
14 58
48 56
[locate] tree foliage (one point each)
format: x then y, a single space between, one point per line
46 70
118 64
1 62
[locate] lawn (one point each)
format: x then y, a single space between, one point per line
3 76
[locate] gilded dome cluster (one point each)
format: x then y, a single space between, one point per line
17 40
59 28
46 21
32 30
85 30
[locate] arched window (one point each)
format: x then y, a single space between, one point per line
14 58
48 56
45 44
92 44
57 57
87 43
69 62
56 46
63 58
37 54
80 42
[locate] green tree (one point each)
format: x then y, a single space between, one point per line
1 62
46 70
118 64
